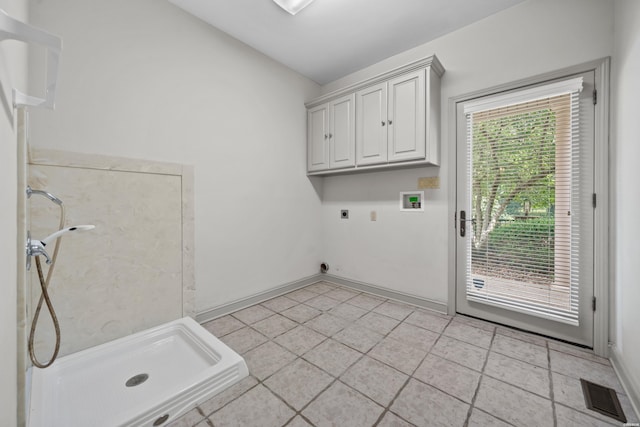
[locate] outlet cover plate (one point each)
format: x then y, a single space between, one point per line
431 182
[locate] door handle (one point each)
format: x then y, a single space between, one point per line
463 223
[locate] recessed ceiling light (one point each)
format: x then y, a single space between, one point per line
293 6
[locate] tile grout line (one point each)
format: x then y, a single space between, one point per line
384 336
232 400
335 379
204 417
363 355
410 376
299 412
261 381
400 322
387 409
477 391
515 385
484 374
581 357
551 395
589 415
269 339
562 346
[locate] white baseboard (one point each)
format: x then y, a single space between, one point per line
221 310
631 390
224 309
428 304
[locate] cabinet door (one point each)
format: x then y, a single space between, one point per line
371 125
318 138
342 132
406 117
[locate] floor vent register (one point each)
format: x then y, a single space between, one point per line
603 400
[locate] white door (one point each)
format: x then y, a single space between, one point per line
318 138
342 132
525 216
406 117
371 122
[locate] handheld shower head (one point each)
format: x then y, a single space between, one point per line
37 247
59 233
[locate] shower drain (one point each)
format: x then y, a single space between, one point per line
136 380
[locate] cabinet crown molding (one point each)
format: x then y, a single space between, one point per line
430 61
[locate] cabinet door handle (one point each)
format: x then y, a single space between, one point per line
330 136
326 136
383 123
390 122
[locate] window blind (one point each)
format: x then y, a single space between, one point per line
523 173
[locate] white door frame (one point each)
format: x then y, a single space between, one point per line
601 172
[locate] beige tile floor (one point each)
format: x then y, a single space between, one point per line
327 355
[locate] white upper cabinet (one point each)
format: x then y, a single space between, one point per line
342 132
331 135
405 119
389 121
371 125
318 138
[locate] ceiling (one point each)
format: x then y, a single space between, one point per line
332 38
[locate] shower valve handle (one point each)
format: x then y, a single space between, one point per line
36 248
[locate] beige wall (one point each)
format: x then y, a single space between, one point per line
625 177
13 73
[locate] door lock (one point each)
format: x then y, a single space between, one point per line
463 223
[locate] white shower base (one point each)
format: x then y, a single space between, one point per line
185 365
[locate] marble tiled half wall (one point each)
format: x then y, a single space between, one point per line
135 269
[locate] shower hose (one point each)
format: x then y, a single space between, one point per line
44 298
